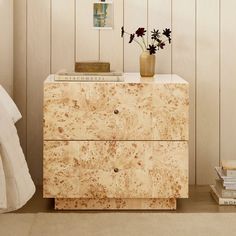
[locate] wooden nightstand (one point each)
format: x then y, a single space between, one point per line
117 145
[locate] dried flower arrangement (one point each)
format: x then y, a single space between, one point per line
157 41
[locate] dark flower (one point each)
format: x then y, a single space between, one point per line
122 31
141 32
131 38
155 34
167 32
159 38
152 49
161 45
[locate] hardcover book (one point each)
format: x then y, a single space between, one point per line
90 77
220 200
229 168
221 174
228 164
229 173
223 192
92 66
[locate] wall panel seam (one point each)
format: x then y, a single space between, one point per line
148 22
75 32
220 81
123 37
196 79
171 46
51 36
26 86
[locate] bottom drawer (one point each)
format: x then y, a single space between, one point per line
115 169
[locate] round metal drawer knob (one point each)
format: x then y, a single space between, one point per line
116 112
116 170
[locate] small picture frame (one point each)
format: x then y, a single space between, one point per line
103 15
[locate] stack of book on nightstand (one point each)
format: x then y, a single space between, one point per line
224 191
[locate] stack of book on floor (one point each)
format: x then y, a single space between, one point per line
224 191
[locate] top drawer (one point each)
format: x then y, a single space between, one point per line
115 111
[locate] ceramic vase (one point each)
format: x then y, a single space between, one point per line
147 64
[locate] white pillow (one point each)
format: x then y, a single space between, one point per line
9 105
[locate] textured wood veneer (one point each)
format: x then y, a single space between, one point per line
116 145
115 204
87 111
87 169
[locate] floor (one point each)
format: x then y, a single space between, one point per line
200 201
204 218
118 224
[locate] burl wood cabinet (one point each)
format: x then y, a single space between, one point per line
120 145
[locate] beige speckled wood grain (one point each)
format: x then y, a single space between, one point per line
151 171
85 111
85 169
111 204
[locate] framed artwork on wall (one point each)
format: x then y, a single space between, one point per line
103 14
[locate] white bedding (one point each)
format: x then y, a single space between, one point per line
3 197
16 185
8 104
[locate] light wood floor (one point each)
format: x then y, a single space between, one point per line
199 200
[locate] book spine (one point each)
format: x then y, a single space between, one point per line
230 173
226 202
222 201
226 194
223 192
230 188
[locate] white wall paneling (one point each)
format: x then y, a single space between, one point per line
207 89
111 43
159 17
51 34
20 65
38 68
87 38
228 79
6 45
63 35
184 60
135 16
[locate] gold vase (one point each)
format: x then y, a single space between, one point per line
147 64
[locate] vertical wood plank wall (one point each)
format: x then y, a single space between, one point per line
6 45
159 16
62 35
87 39
184 61
135 15
38 68
207 87
228 79
52 34
111 45
20 67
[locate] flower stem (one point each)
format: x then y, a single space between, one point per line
153 41
144 42
135 40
